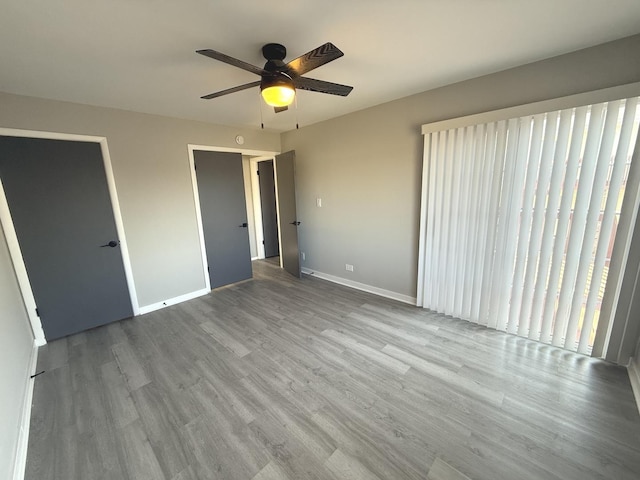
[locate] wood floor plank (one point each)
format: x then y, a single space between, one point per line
53 355
130 366
139 459
389 329
368 352
288 454
272 472
285 378
468 386
186 474
367 443
231 392
225 339
163 417
441 470
119 401
224 447
348 468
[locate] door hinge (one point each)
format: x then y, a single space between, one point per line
37 312
263 242
258 172
208 269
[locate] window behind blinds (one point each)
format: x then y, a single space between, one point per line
521 219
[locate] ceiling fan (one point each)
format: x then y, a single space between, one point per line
279 80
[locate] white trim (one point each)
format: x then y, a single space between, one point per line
247 188
20 462
244 151
561 103
361 286
72 137
196 197
634 378
257 205
422 245
172 301
12 239
196 200
264 157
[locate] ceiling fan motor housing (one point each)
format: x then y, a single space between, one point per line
274 51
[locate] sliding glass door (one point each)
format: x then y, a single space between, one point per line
520 218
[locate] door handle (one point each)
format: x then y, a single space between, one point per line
111 244
244 225
296 223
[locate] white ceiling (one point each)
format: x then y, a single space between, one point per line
140 55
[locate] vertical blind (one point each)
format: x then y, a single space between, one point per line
521 216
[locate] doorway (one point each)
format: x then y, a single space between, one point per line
253 205
269 210
223 213
64 229
283 220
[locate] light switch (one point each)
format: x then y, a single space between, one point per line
318 202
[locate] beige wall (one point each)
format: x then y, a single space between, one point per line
366 166
153 179
16 348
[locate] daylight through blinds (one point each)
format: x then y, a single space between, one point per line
521 219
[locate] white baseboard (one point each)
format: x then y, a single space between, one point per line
634 377
23 437
172 301
361 286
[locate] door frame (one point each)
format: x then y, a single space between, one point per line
196 197
257 204
12 239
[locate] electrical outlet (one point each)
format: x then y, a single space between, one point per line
304 257
349 267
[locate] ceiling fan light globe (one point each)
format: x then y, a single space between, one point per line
278 95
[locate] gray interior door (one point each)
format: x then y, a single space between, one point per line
61 209
268 205
285 178
224 216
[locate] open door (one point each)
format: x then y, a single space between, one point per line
287 218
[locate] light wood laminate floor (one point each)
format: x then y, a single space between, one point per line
279 378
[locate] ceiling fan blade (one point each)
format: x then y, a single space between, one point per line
321 86
280 109
313 59
231 90
231 61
